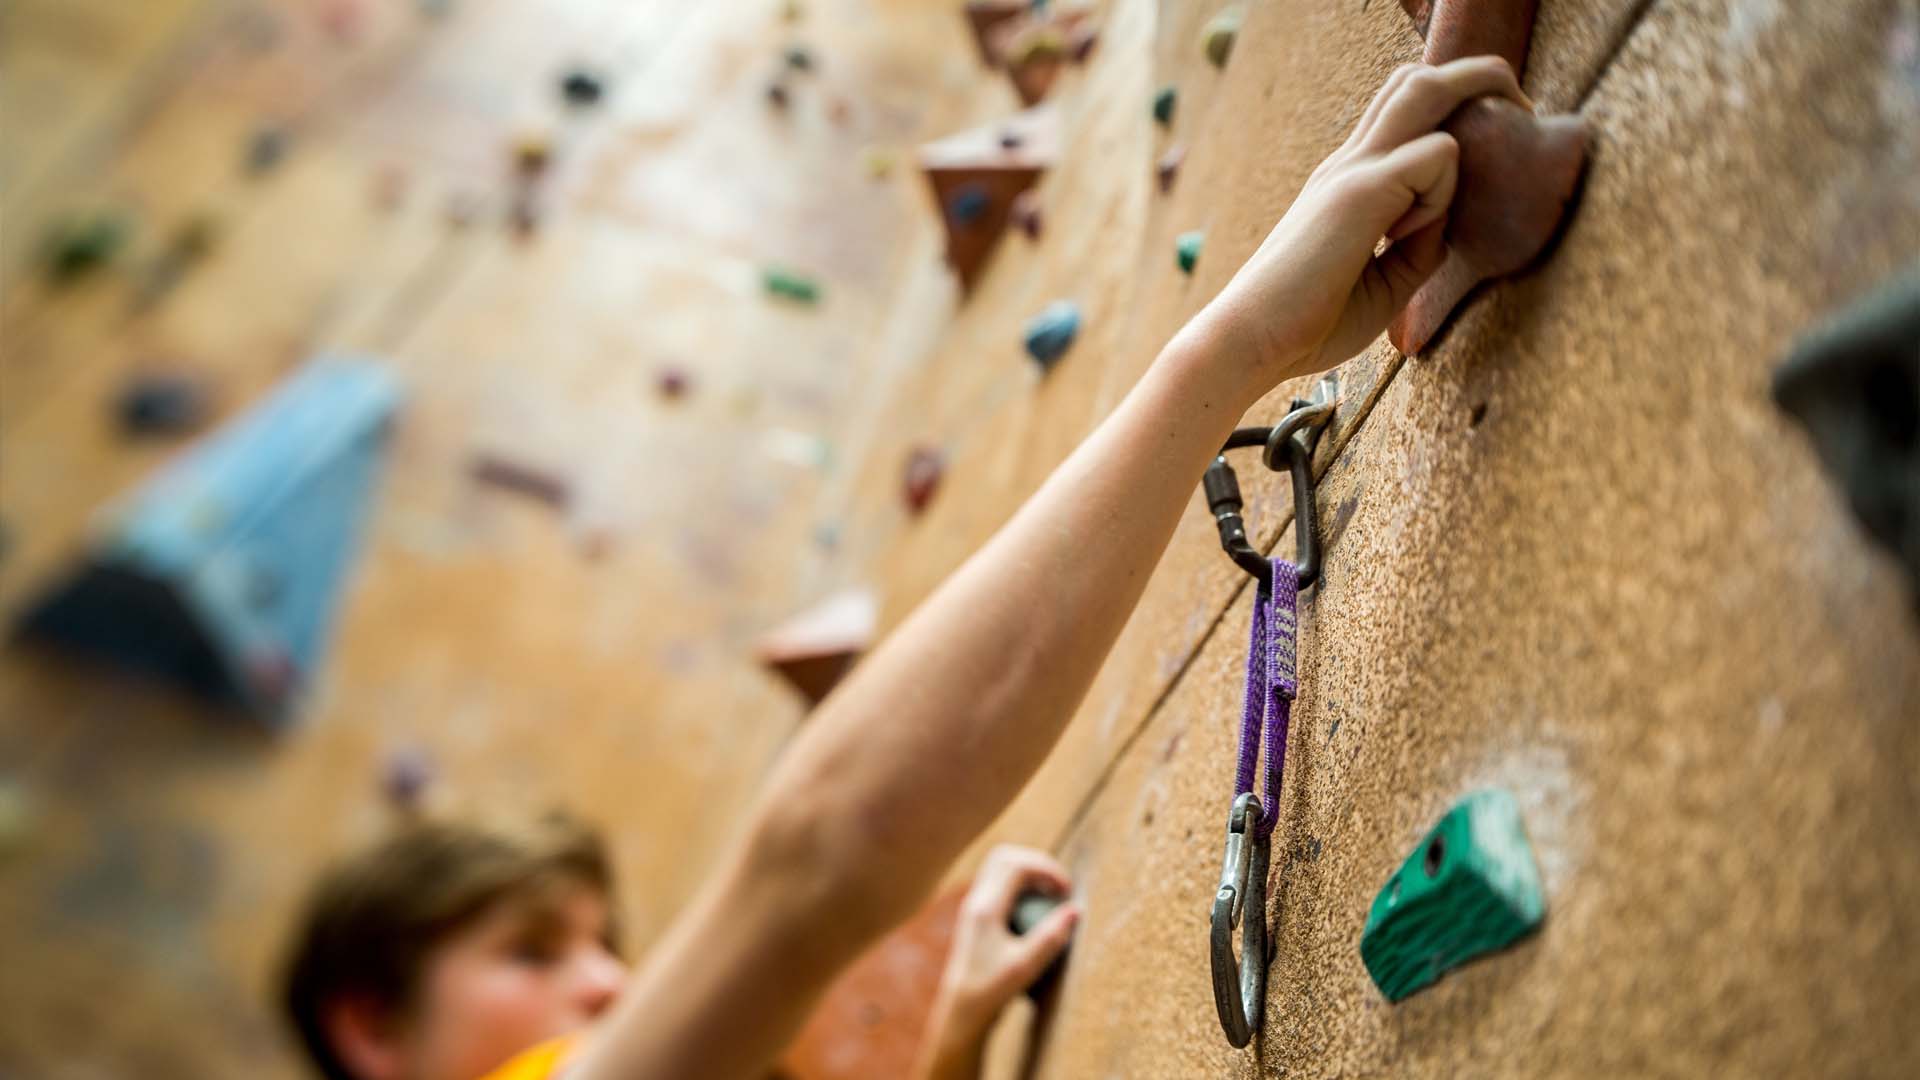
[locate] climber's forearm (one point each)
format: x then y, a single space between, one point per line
930 737
934 734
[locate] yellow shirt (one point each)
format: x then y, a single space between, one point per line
540 1063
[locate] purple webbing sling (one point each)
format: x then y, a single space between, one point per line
1271 687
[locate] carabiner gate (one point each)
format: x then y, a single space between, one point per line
1240 987
1288 445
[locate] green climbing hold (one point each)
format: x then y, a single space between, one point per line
84 242
1187 249
1163 105
792 286
1471 887
1220 34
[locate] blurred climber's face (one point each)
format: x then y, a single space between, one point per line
519 975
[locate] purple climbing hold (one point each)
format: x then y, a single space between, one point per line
405 777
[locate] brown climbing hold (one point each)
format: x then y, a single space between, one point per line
1025 213
1080 42
1517 171
925 467
532 152
1169 166
522 479
983 16
815 649
978 171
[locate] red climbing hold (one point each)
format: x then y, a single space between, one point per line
925 466
1169 166
672 382
1517 174
1025 213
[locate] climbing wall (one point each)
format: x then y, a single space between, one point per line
1572 550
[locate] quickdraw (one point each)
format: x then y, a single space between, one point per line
1240 985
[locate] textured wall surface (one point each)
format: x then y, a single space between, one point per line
1574 551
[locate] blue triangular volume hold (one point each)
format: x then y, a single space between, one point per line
222 573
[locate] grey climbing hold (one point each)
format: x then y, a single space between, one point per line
1051 333
267 149
799 58
1163 103
1187 249
158 404
582 88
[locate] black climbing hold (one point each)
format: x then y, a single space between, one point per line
84 242
1029 911
582 88
1854 383
799 58
777 95
1163 105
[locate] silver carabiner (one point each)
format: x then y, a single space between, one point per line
1240 988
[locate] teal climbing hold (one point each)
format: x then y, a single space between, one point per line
1471 887
1187 249
1050 333
1163 105
792 286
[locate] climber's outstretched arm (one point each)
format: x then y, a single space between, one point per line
931 737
